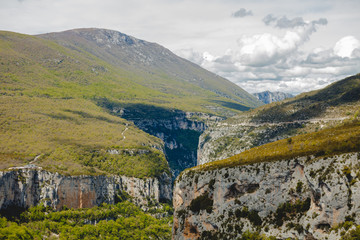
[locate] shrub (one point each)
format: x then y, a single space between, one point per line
202 202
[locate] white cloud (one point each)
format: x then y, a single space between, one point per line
276 63
345 46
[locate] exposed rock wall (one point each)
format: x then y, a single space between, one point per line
179 130
224 139
25 187
269 97
298 198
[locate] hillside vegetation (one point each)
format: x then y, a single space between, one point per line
341 139
306 113
123 220
53 89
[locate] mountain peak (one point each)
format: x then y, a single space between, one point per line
269 97
101 36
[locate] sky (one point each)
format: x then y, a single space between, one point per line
291 46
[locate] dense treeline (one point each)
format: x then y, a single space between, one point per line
121 221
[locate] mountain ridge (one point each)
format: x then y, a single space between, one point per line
150 58
269 97
305 113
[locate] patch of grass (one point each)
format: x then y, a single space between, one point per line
73 136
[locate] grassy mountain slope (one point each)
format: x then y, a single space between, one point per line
52 97
316 104
155 67
306 113
341 139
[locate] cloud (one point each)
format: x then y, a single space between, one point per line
270 62
265 49
346 46
242 12
284 22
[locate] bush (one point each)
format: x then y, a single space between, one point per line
252 216
287 210
203 202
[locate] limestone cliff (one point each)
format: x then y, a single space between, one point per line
269 97
179 130
297 198
28 186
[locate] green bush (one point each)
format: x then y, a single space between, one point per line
287 210
252 215
202 202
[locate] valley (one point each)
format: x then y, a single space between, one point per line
94 122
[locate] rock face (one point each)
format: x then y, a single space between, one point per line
179 130
226 139
297 198
25 187
269 97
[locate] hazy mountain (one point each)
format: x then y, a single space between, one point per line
269 97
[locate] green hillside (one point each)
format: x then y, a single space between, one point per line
52 96
341 139
305 113
331 101
175 82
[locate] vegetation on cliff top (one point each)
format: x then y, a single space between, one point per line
340 139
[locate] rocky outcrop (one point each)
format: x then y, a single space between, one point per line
179 130
297 198
226 139
30 185
269 97
235 135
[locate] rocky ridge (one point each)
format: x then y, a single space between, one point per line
306 113
269 97
178 130
300 198
28 186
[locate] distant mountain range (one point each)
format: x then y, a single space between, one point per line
269 97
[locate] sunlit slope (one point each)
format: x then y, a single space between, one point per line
336 100
305 113
51 96
156 67
341 139
48 110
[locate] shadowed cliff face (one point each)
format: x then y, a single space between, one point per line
179 133
179 130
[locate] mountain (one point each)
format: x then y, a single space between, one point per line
269 97
305 113
93 116
302 187
155 67
57 86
